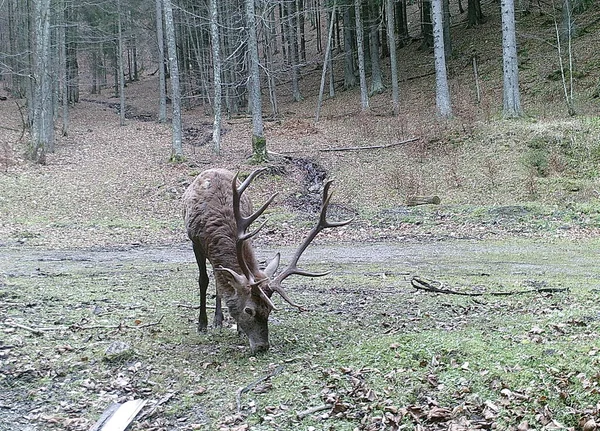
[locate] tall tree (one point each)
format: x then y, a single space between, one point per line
42 124
120 63
364 96
474 14
442 93
177 148
259 143
349 63
389 14
512 98
375 48
162 84
216 53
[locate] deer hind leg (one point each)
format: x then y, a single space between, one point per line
203 283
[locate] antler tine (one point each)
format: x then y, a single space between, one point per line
292 268
243 223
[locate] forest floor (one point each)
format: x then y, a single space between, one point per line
93 254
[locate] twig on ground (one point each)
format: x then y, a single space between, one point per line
249 387
193 307
301 415
369 147
121 325
437 287
36 331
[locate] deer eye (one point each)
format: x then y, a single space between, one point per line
249 311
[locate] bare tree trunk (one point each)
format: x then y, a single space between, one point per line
63 73
216 52
292 36
177 149
512 99
364 97
72 63
42 125
121 71
325 62
259 143
162 84
442 93
389 13
349 65
376 78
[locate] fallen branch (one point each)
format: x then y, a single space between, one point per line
120 326
241 391
369 147
193 307
36 331
437 287
301 415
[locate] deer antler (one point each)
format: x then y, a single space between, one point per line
243 223
292 267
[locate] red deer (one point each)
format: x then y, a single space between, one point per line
217 217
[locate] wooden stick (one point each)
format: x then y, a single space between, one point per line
369 147
301 415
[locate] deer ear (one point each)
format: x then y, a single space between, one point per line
237 281
272 266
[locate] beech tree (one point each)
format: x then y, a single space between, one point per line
259 143
442 93
511 95
177 149
364 97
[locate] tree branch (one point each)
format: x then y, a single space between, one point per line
369 147
437 287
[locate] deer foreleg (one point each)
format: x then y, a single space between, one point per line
203 283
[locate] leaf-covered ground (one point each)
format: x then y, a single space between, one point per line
371 353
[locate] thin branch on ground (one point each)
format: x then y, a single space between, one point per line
369 147
301 415
121 325
437 287
36 331
249 387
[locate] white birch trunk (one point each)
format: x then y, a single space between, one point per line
177 149
511 95
442 93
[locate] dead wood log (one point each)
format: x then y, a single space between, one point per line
412 201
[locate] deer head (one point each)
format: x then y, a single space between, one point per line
254 287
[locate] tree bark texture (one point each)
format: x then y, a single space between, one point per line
442 93
511 95
177 148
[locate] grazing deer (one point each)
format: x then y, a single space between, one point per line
217 217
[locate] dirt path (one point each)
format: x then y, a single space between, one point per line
443 257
